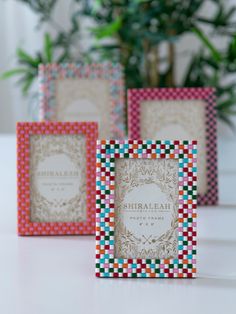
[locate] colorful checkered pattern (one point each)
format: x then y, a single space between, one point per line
112 72
136 96
24 131
107 265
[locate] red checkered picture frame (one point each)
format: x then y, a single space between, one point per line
107 265
24 130
207 95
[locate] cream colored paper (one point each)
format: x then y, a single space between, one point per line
177 120
84 100
146 208
57 178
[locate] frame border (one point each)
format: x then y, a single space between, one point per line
24 130
207 94
113 72
109 266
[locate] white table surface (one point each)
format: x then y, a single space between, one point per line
47 275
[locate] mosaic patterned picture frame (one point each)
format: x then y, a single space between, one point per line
182 113
56 177
90 92
108 152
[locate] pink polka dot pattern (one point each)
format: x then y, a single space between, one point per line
207 94
24 131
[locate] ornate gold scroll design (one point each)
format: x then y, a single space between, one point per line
132 173
190 114
42 147
96 91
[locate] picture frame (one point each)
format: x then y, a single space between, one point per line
84 92
184 114
56 178
108 264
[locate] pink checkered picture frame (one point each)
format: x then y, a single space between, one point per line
189 99
107 264
52 153
91 92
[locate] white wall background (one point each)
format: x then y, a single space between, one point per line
18 29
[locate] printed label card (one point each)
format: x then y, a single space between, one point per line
146 209
55 177
183 114
146 199
90 92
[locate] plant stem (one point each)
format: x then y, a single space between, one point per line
171 72
153 67
146 62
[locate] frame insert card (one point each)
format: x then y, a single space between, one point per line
55 177
89 92
146 209
184 114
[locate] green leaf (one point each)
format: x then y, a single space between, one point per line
104 47
74 19
13 72
231 53
227 104
226 119
26 58
48 48
204 39
96 6
229 112
62 58
27 84
108 30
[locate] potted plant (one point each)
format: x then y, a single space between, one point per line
133 32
